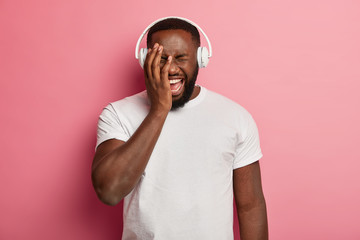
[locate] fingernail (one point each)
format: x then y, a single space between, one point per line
156 45
169 58
160 48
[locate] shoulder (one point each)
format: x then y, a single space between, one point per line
133 103
224 104
136 99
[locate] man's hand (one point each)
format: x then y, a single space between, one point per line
156 80
118 165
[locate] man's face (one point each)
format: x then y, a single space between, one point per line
183 69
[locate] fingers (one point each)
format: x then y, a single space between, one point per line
156 79
155 66
154 73
149 61
146 62
165 70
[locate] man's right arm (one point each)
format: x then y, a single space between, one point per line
118 165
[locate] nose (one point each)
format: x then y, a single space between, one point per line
174 68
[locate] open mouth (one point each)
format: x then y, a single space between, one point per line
176 86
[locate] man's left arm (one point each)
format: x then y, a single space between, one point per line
250 202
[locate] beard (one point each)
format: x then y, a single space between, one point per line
189 88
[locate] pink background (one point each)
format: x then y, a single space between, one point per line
295 65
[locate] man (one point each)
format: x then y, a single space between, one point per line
177 152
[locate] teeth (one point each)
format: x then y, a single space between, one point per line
176 89
175 81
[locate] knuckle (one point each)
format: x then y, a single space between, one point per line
153 66
164 70
148 68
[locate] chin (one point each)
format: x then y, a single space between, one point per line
180 100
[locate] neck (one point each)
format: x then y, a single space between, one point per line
195 92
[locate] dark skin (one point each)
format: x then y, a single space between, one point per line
250 202
118 166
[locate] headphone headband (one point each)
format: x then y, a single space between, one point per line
159 20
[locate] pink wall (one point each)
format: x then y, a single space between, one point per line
294 65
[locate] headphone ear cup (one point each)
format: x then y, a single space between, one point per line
142 56
202 57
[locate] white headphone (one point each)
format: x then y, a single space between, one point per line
203 54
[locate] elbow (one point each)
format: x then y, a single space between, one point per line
249 206
107 193
108 200
107 197
251 203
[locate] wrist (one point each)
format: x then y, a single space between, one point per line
158 112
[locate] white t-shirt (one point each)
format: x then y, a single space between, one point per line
186 191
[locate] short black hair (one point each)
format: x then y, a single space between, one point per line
173 24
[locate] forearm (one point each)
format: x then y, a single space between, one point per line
253 222
118 168
117 173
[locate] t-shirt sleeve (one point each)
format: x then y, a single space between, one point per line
248 147
110 126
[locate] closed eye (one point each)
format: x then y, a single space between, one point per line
163 59
182 56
